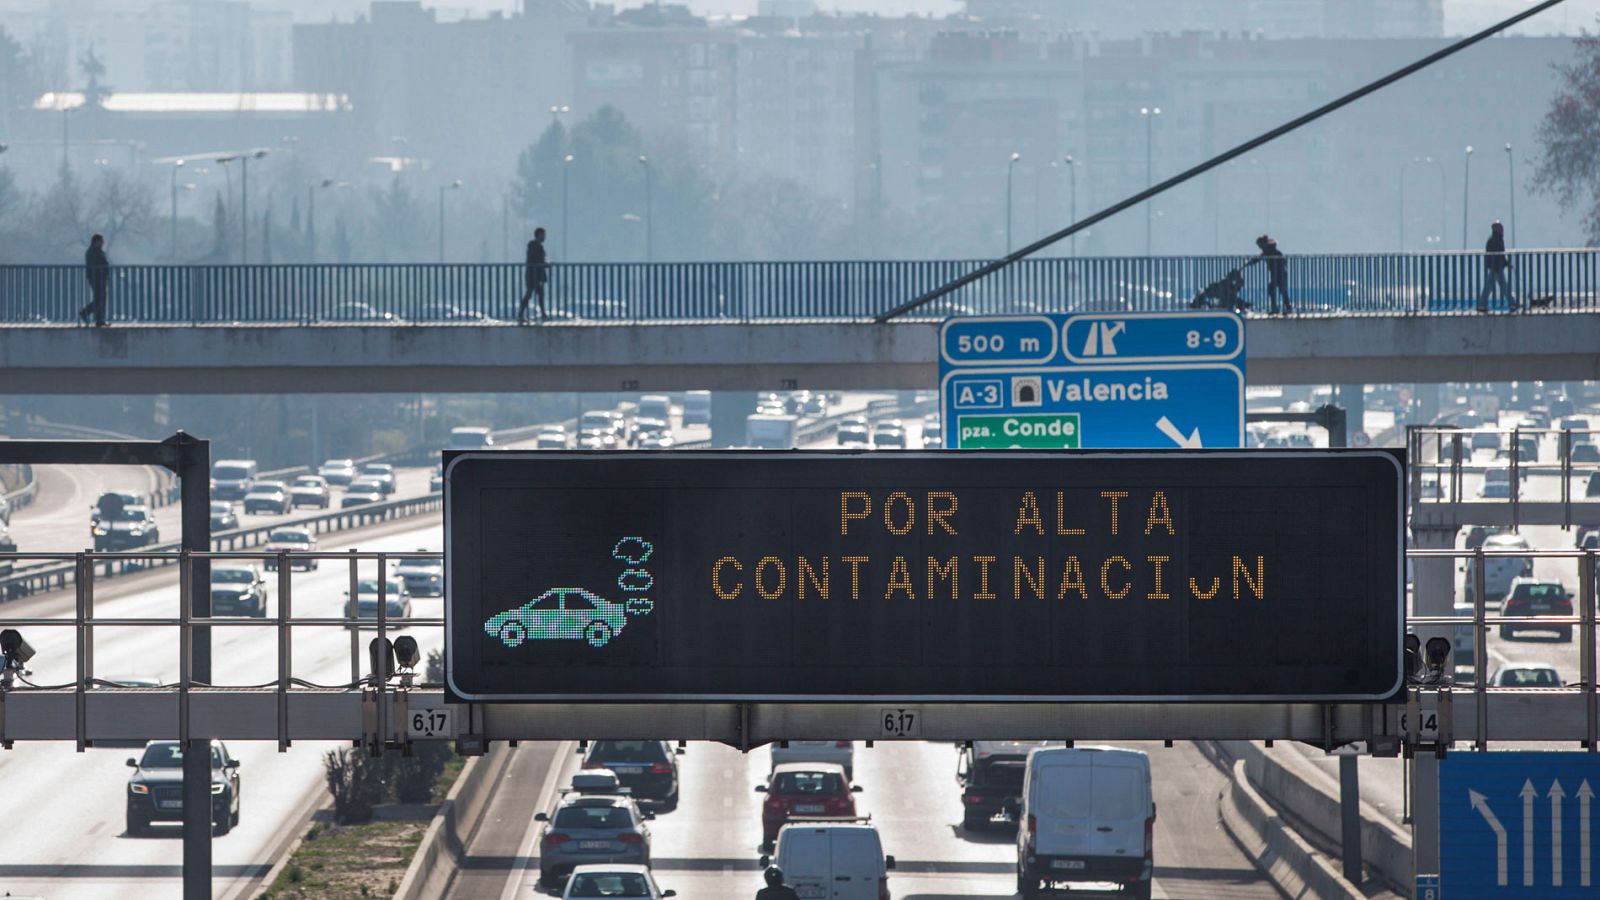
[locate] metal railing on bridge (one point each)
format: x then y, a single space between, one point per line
1405 284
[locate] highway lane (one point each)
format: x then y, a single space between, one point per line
708 848
69 841
59 520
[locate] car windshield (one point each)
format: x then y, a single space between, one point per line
608 884
370 586
625 751
266 489
1539 592
220 508
338 464
308 481
170 756
852 434
418 565
1529 678
130 514
289 537
230 473
377 468
614 818
1000 774
807 783
364 487
232 576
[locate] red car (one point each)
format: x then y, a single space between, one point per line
805 791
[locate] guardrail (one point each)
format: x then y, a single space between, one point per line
32 579
11 501
1563 705
465 293
1440 457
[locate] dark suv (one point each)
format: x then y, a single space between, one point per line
990 774
647 768
155 789
124 528
1532 597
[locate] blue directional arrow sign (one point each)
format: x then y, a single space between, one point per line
1101 381
1518 824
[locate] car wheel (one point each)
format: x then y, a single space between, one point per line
1505 632
597 633
512 634
972 821
236 811
136 824
1027 885
1139 891
1566 635
224 822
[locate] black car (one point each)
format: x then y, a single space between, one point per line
123 528
155 789
223 516
237 590
6 546
647 768
990 774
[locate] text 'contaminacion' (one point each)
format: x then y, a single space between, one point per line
805 578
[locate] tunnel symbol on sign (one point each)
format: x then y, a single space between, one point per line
1026 391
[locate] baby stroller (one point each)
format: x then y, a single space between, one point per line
1223 294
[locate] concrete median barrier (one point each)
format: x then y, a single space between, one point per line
444 843
1277 850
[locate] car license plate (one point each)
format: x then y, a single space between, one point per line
811 890
170 804
1067 864
627 770
808 807
594 845
1539 607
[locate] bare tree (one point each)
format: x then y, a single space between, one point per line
116 204
1568 166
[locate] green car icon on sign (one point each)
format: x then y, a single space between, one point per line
559 614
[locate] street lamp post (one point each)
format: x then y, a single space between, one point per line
1466 195
1010 172
1511 191
452 186
649 214
1072 171
244 196
176 165
1149 113
566 168
311 213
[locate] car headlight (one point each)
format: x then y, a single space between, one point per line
433 578
101 530
217 787
135 787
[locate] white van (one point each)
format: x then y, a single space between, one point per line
833 861
470 437
1087 815
697 408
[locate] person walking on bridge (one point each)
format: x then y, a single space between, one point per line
97 269
1277 273
1495 270
534 276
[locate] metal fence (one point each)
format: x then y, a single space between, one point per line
1406 284
1568 712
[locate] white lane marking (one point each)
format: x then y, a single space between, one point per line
547 792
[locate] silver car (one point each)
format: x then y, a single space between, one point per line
587 829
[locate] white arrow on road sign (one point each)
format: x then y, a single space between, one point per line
1556 795
1585 794
1479 803
1192 442
1527 793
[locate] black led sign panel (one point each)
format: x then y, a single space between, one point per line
934 576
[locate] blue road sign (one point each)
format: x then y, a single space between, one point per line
1517 824
1096 381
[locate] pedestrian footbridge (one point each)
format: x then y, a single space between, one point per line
753 326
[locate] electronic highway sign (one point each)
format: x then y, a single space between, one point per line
927 576
1092 380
